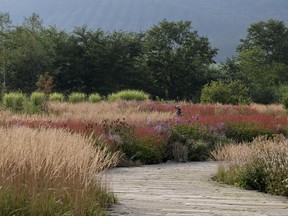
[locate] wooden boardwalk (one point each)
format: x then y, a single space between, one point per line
182 189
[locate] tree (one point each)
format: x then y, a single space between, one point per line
5 25
122 50
33 23
32 54
271 37
226 93
263 60
45 83
261 78
100 62
176 59
230 71
5 21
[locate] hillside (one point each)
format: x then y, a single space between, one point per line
223 21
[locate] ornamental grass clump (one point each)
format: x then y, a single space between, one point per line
14 101
261 165
56 97
94 98
52 172
128 95
76 97
37 102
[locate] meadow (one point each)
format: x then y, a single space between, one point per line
54 159
148 132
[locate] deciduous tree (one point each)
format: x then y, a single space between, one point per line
177 59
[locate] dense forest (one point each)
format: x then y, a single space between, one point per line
223 21
170 60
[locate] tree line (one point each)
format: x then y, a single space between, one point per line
170 60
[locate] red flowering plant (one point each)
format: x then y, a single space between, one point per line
137 142
241 123
155 135
199 127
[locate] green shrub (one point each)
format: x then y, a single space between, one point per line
245 131
122 137
279 92
252 176
94 98
225 93
56 97
199 151
128 95
198 140
261 165
137 149
14 101
37 102
148 152
76 97
185 132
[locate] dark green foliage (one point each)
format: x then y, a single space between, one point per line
271 37
225 93
253 177
262 76
95 61
261 63
143 150
199 151
242 131
30 52
169 61
198 140
176 59
284 99
262 60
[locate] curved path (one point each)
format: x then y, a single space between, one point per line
181 189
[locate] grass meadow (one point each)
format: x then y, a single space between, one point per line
52 172
51 162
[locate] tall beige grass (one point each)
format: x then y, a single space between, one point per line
264 157
97 112
51 165
272 109
130 111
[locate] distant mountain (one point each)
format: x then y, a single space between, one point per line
224 22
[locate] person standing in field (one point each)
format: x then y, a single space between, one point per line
178 111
